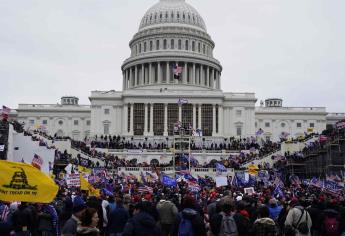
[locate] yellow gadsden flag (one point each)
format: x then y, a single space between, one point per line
85 185
84 170
25 183
253 169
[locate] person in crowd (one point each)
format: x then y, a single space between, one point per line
88 223
142 223
274 209
70 227
167 215
189 219
24 220
118 218
264 225
48 220
298 221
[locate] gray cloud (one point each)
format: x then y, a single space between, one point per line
290 49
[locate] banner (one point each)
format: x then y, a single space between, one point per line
221 181
25 183
73 180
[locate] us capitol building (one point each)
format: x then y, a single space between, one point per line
172 33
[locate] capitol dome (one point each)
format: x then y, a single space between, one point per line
175 12
172 34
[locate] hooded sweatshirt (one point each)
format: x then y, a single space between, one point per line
142 224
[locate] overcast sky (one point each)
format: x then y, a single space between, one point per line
292 49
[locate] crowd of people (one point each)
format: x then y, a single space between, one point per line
128 206
177 211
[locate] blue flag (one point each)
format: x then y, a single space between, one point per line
278 192
168 181
220 167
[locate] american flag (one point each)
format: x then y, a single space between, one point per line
6 110
145 189
177 71
37 161
340 124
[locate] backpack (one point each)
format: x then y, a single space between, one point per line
331 225
228 226
185 228
302 227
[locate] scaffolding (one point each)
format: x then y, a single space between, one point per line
326 160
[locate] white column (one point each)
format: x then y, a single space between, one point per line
202 76
159 72
142 82
136 75
180 112
132 120
194 117
219 81
125 119
151 120
150 74
123 80
212 78
221 121
194 75
131 77
168 73
184 77
145 120
165 119
207 76
213 120
199 120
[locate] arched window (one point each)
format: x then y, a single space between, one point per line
178 15
164 44
179 44
204 49
199 47
172 44
139 47
151 45
172 15
136 49
193 46
186 45
145 46
157 45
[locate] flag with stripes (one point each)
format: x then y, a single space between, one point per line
177 71
37 161
145 189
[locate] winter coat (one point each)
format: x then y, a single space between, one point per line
293 217
117 220
264 227
197 222
87 231
275 211
70 227
142 224
167 212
